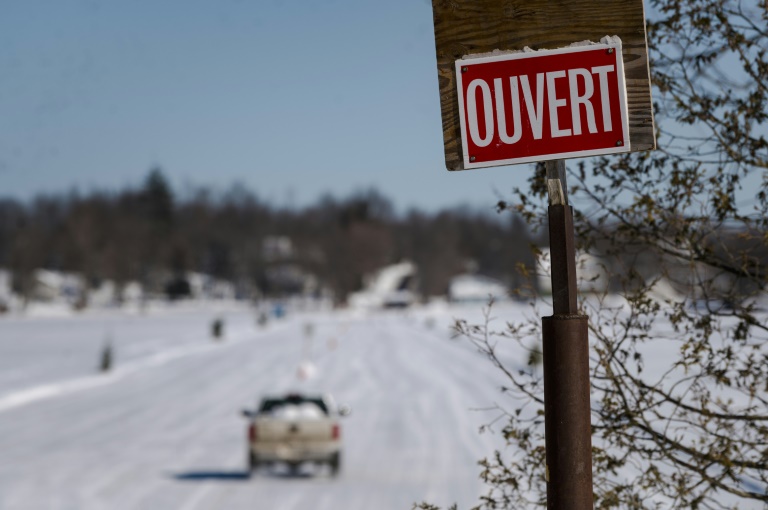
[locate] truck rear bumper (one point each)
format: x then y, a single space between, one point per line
293 453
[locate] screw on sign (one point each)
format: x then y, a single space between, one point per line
539 105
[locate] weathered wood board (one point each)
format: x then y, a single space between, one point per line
464 27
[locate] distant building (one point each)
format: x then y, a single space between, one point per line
54 285
277 248
204 286
466 288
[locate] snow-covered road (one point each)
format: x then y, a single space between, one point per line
162 430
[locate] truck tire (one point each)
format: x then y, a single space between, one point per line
294 468
253 463
335 464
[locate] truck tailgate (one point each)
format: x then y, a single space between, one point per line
273 429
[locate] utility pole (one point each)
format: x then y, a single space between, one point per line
567 420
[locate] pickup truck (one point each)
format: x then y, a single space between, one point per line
295 429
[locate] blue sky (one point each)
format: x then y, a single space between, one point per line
292 98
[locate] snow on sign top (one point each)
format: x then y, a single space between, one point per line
525 106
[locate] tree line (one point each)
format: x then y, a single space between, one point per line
153 235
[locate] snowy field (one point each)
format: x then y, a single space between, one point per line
162 428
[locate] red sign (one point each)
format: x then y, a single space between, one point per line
539 105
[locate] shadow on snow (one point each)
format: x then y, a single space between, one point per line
236 475
200 476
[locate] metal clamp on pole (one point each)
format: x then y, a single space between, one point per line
566 364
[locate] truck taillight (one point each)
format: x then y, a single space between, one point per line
252 432
336 431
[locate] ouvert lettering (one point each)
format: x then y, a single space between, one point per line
579 99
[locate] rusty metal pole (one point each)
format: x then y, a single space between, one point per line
567 422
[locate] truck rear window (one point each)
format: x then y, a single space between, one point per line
279 405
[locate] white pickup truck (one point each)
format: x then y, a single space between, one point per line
294 429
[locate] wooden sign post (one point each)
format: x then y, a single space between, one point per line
546 80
